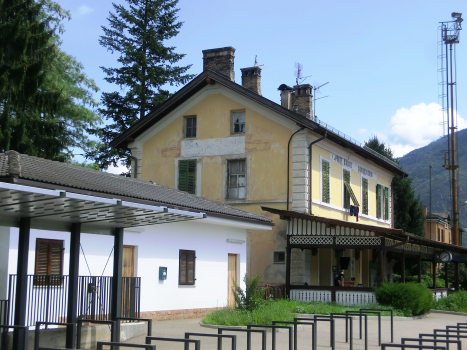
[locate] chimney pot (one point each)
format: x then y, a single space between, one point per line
286 96
251 79
220 60
302 100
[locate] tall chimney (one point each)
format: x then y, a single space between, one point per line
251 79
220 61
302 100
286 96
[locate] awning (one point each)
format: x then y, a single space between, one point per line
57 209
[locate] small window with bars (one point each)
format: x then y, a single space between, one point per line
186 274
236 179
190 126
365 196
187 176
325 189
49 261
238 122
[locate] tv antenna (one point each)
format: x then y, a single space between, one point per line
316 90
299 73
256 62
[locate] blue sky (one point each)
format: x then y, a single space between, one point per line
379 57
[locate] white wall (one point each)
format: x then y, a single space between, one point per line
159 245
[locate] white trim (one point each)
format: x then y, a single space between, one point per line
86 197
234 223
37 190
143 206
187 213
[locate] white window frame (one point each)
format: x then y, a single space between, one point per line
227 174
232 124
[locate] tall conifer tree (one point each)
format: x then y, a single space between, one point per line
138 33
45 100
408 209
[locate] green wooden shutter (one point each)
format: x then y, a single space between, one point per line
378 201
187 176
365 196
325 182
346 192
386 203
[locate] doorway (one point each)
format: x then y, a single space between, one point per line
232 276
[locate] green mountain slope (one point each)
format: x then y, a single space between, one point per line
417 165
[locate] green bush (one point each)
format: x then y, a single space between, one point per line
412 298
453 302
250 298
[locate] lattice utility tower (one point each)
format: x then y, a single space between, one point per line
449 35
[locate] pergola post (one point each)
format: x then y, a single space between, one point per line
287 268
456 275
419 268
403 267
116 300
446 279
20 336
75 239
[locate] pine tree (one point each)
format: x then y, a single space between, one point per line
408 209
44 96
138 33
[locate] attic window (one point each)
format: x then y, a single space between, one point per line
238 122
190 126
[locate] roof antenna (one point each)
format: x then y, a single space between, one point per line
256 62
299 73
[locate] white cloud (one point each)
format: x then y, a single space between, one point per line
362 131
84 10
117 170
417 126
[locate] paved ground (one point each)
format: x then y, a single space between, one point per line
402 328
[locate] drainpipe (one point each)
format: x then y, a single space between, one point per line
288 165
310 158
136 165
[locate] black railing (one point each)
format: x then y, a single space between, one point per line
47 298
4 312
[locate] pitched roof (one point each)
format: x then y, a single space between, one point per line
210 78
47 173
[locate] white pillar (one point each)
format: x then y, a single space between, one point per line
4 255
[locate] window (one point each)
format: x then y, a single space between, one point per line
238 122
365 196
186 274
386 203
379 203
325 181
236 179
190 126
49 254
279 257
346 176
187 176
442 235
439 235
49 260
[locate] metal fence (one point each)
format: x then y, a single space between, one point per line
47 298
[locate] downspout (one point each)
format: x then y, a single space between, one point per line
136 165
310 159
288 165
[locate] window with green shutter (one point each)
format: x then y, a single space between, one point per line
378 201
187 176
346 175
386 203
365 196
325 182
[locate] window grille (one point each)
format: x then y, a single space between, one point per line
236 179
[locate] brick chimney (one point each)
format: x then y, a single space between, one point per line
220 61
286 96
251 79
302 100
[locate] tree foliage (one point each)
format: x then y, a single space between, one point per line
46 101
138 34
408 209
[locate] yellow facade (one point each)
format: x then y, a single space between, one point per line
265 150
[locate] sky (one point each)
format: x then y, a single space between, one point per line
379 57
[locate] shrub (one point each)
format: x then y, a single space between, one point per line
412 298
453 302
251 298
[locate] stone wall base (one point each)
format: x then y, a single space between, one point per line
177 314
